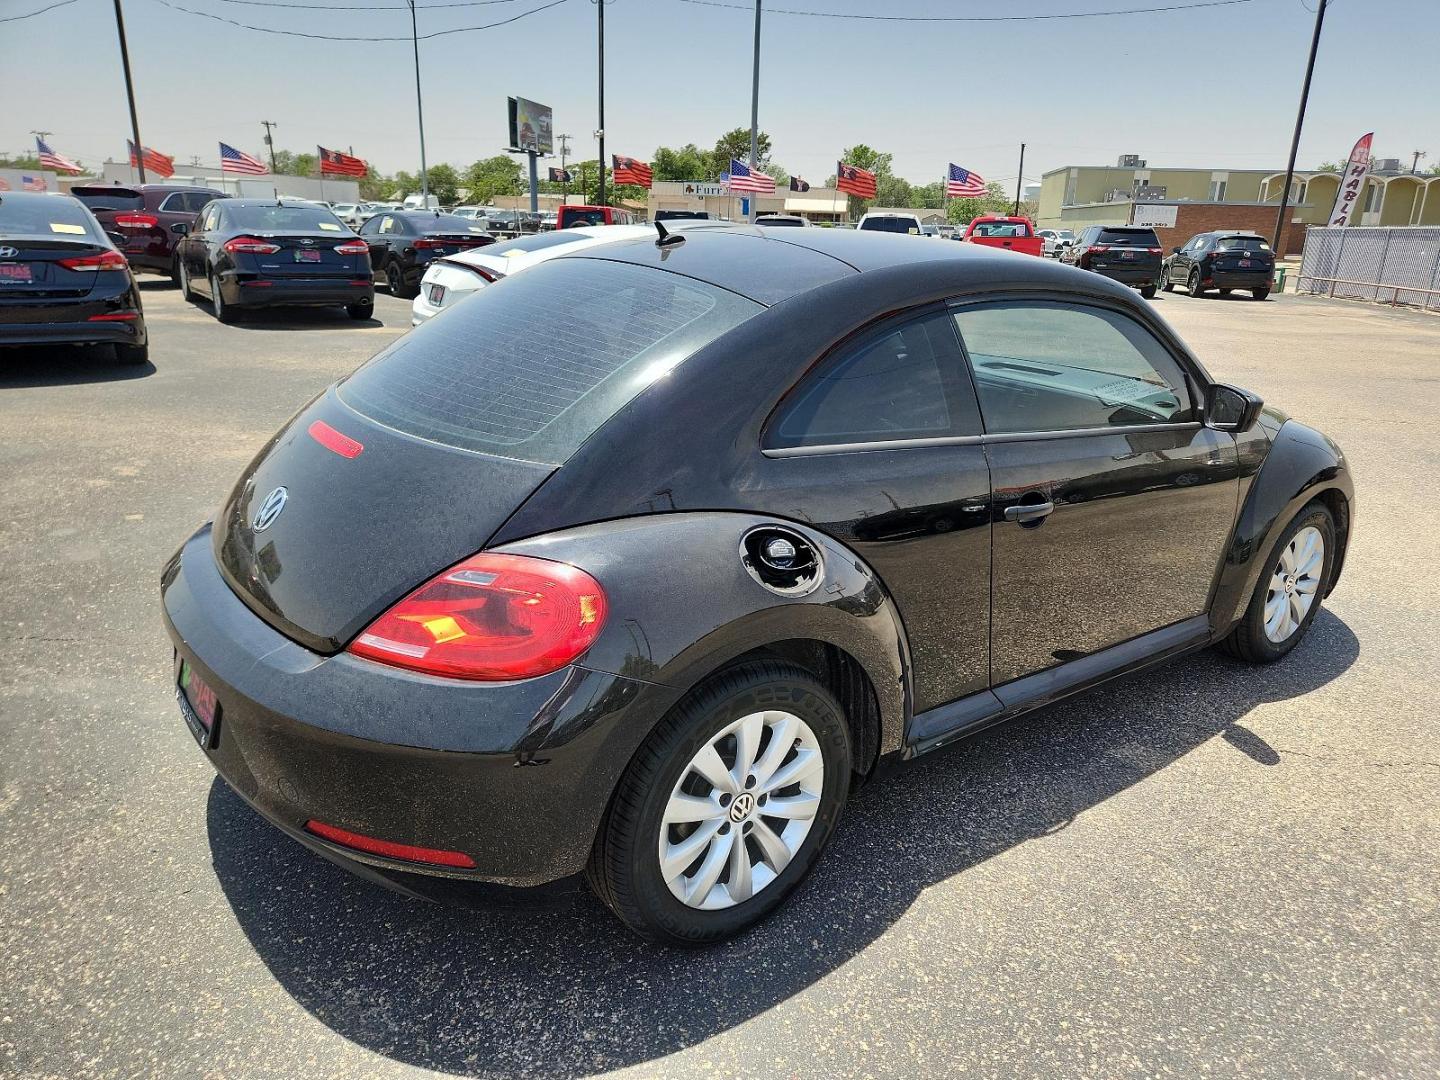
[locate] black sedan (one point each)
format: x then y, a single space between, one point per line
252 253
403 242
641 593
1221 260
62 280
1129 254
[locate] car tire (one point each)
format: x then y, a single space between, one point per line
1165 282
133 354
175 271
762 701
1259 294
183 281
395 279
1257 637
1193 283
1226 292
225 313
1148 292
362 309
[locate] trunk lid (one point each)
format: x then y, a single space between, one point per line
356 529
305 255
34 272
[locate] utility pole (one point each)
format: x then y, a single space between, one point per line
42 134
420 110
564 184
755 113
1019 182
599 131
1299 123
130 93
270 143
1414 164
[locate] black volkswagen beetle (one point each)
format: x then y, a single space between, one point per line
633 565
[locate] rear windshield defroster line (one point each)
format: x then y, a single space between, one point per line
530 367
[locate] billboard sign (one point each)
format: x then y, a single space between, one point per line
1352 183
531 126
1155 215
694 188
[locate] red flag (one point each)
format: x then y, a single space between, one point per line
630 171
334 163
854 180
155 162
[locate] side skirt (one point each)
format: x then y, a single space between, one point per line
945 724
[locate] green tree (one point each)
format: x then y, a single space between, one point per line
688 162
736 144
23 161
444 183
994 201
874 161
1330 166
289 163
492 176
931 196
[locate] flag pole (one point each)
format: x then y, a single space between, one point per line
755 114
130 93
1299 123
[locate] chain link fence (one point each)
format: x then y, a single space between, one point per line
1392 265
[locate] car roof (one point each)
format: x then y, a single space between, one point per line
772 265
585 236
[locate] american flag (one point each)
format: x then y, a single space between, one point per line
963 184
854 180
156 162
51 160
740 178
629 171
232 160
33 183
334 163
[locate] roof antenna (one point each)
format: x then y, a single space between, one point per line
667 239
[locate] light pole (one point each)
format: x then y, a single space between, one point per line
1019 182
1299 123
419 108
755 113
130 93
599 131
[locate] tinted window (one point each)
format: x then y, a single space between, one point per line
1002 228
530 367
1129 237
186 202
1242 243
681 215
118 198
47 216
898 382
443 223
780 222
1042 366
267 218
570 218
890 224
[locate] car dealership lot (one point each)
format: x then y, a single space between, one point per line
1208 865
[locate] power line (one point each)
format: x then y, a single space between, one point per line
973 18
336 37
32 14
368 7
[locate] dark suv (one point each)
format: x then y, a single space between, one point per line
1221 260
140 218
1129 254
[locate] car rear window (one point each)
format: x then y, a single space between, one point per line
1001 228
532 366
569 218
1242 243
52 216
443 223
117 198
267 218
1128 237
780 222
890 224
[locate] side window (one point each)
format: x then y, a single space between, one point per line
369 227
387 226
1198 242
903 380
1046 366
212 218
172 203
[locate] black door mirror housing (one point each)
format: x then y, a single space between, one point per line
1229 408
1175 251
180 228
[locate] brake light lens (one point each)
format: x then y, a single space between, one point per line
491 618
250 245
424 244
1102 248
352 247
388 848
105 260
132 220
1155 251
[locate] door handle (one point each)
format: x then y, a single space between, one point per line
1029 513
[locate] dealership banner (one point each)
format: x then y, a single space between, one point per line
1352 183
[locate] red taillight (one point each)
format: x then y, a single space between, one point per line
250 245
352 247
115 316
331 439
425 245
389 849
130 220
492 617
1155 251
1102 248
105 260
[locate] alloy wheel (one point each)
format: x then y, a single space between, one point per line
1294 584
741 810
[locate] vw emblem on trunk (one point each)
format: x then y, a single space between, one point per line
9 252
270 509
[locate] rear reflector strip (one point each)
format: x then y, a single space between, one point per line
331 439
115 316
407 852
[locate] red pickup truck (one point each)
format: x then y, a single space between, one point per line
1012 233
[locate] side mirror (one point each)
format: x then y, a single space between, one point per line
180 228
1175 251
1229 408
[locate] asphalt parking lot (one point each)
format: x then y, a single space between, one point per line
1210 869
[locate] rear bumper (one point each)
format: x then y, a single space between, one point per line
1241 279
74 333
250 291
514 775
1140 275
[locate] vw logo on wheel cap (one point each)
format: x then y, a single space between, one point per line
742 807
9 252
270 509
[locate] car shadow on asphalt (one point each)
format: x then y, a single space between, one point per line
565 991
296 318
65 365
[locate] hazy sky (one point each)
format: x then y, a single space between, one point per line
1210 87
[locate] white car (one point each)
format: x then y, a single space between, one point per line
455 277
348 212
1056 240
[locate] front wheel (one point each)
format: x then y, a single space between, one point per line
726 807
1165 282
182 279
1287 596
